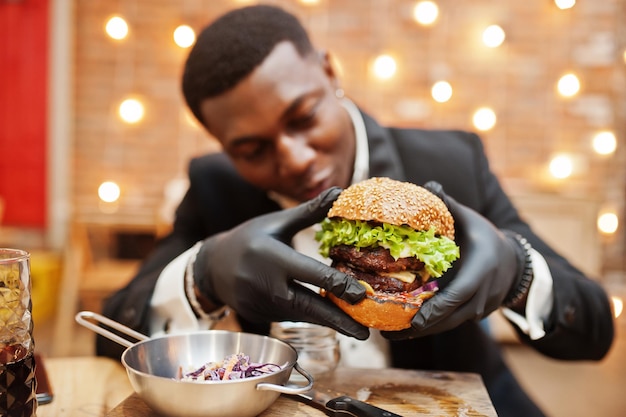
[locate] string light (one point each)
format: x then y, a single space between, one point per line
131 110
109 191
426 12
604 143
618 306
565 4
384 67
561 166
184 36
441 91
493 36
568 85
117 28
484 118
608 222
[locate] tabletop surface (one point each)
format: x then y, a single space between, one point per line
84 386
404 392
95 386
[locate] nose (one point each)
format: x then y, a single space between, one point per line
295 155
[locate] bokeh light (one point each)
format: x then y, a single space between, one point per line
484 119
608 222
184 36
618 306
109 191
425 12
131 110
565 4
561 166
493 36
568 85
604 143
117 28
441 91
384 67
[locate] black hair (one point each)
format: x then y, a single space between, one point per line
232 46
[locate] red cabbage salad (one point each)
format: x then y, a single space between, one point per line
237 366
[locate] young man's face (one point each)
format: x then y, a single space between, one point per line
283 126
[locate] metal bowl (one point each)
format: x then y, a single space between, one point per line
153 365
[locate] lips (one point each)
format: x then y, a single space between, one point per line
313 192
320 182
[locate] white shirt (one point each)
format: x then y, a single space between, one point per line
171 311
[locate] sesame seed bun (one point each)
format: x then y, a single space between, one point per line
399 203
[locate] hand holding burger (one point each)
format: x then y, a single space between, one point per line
252 268
493 269
394 237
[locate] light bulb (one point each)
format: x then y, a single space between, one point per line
484 119
565 4
425 12
384 67
184 36
493 36
608 222
109 191
131 110
618 306
561 166
568 85
117 28
604 143
441 91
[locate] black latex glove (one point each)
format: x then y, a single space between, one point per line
252 268
487 269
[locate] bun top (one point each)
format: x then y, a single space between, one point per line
399 203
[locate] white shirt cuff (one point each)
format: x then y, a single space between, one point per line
539 302
170 311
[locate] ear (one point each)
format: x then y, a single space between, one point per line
326 63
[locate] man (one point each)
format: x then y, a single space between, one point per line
290 138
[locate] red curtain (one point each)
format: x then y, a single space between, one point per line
23 102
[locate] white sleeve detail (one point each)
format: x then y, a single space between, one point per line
539 302
170 311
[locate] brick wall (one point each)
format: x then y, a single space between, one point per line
517 80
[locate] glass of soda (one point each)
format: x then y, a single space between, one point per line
18 385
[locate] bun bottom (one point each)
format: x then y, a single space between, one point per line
382 311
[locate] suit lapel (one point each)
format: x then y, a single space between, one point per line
384 158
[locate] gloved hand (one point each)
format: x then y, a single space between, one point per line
487 269
252 269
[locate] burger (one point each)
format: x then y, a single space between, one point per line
396 239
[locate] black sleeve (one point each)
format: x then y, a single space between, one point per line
581 323
130 305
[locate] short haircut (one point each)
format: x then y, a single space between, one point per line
232 46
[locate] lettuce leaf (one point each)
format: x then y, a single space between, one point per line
437 252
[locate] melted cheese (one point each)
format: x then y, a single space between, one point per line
404 276
368 287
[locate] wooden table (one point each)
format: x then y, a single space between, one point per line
84 386
407 393
94 386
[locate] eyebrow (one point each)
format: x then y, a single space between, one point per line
253 138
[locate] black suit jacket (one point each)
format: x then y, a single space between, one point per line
580 327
